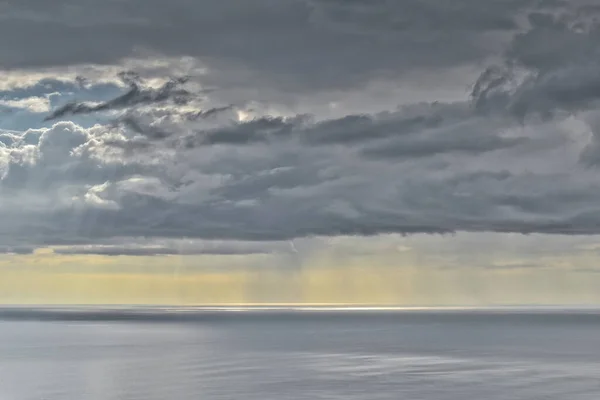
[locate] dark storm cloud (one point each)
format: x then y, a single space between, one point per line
311 195
274 220
507 160
302 45
548 69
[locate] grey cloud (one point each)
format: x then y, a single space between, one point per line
16 250
471 136
82 81
385 200
435 167
514 266
297 45
285 189
137 123
423 148
372 16
548 70
411 132
283 51
136 95
176 248
590 270
590 154
258 130
349 130
211 112
148 131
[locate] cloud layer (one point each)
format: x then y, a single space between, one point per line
266 155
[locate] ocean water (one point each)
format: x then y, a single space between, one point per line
400 355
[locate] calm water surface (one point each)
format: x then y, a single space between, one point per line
386 355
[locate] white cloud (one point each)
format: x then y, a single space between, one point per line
33 104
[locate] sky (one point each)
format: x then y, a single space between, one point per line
417 152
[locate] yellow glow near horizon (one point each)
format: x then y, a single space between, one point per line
397 279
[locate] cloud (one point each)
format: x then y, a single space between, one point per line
33 104
517 155
293 45
514 265
72 186
414 123
411 132
288 52
136 95
548 69
161 124
16 250
176 247
47 159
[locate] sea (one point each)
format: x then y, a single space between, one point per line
303 353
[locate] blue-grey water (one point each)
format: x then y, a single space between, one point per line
309 355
